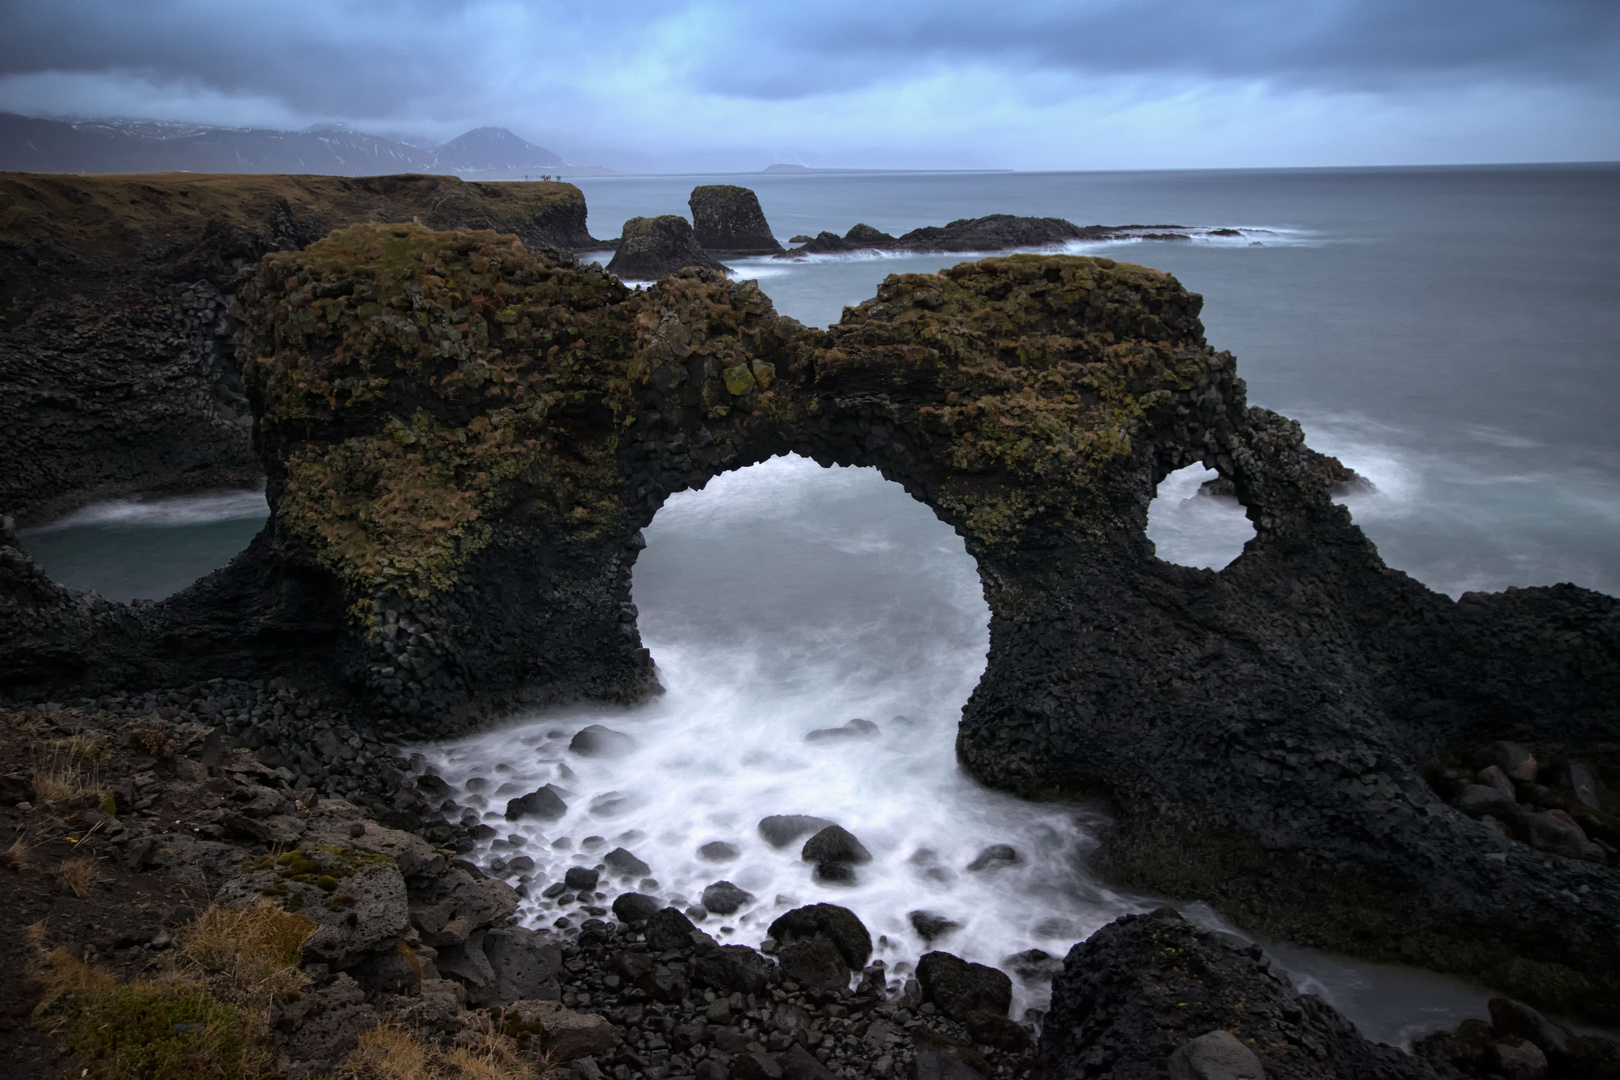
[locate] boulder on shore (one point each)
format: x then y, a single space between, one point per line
728 218
1146 991
655 247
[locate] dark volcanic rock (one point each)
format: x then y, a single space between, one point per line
996 232
815 963
669 929
1340 478
724 898
602 742
635 908
1145 985
823 243
930 926
835 844
851 729
838 925
652 248
543 803
995 857
624 864
864 236
960 989
525 964
581 878
717 851
734 969
780 830
727 219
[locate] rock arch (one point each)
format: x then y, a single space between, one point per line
464 438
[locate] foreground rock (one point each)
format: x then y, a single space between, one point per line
1147 989
727 219
119 334
406 937
655 247
1263 732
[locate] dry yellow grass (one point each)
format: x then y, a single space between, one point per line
247 955
387 1053
20 854
68 768
79 874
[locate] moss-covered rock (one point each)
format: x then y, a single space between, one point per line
654 247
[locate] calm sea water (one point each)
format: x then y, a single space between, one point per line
1453 334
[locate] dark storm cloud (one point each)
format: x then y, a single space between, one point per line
378 59
1325 44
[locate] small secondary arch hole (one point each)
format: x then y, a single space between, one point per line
1191 523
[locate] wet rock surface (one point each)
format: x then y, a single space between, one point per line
655 247
727 219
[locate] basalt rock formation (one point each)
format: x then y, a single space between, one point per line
119 325
727 219
995 232
655 247
464 438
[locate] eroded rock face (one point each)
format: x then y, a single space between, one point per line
119 325
463 440
655 247
728 219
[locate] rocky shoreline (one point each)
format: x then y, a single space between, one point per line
172 810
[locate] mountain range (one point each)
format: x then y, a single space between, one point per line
29 144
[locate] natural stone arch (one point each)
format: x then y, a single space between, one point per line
469 437
463 439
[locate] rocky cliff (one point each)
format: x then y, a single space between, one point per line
118 325
463 439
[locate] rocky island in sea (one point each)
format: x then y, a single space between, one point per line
224 852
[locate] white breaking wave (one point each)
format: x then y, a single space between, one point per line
1191 529
173 510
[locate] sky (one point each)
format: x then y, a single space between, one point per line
678 85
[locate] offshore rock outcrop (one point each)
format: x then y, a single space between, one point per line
464 438
727 219
994 232
119 325
655 247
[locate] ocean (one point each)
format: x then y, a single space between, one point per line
1451 334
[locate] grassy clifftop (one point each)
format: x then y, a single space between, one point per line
122 218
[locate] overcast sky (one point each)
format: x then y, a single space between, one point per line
1026 84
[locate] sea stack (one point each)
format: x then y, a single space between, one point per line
727 218
655 247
